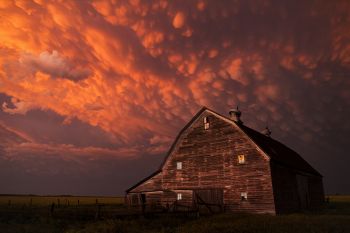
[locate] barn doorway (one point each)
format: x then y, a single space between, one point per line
209 200
303 191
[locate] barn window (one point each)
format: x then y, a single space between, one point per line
179 196
206 122
179 165
244 196
241 159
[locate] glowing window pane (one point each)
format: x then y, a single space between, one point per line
244 196
179 196
206 122
241 159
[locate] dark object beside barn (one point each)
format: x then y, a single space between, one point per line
217 163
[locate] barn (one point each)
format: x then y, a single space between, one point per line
217 163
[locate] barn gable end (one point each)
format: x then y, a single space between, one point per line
209 160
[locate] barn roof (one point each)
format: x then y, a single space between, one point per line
143 180
277 152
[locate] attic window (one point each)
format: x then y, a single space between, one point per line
244 196
179 165
179 196
241 159
206 122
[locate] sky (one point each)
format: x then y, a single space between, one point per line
92 93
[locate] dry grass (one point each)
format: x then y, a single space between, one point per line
339 198
62 200
21 217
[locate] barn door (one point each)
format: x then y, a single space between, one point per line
303 191
209 200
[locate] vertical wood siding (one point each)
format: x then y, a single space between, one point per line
210 161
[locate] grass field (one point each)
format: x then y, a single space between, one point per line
58 200
33 214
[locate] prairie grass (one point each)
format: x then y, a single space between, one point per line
21 217
61 200
225 223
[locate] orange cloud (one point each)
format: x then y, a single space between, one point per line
179 20
139 70
53 64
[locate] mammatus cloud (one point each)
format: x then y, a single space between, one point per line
140 69
179 20
54 65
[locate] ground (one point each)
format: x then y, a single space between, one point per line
37 214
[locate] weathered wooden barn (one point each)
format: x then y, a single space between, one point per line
218 163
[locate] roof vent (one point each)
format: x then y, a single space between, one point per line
235 115
267 132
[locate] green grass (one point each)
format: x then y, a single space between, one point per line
21 217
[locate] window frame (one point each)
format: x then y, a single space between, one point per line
178 165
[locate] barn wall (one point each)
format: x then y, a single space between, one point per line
152 188
285 189
316 191
295 191
133 199
153 199
210 161
169 197
186 197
